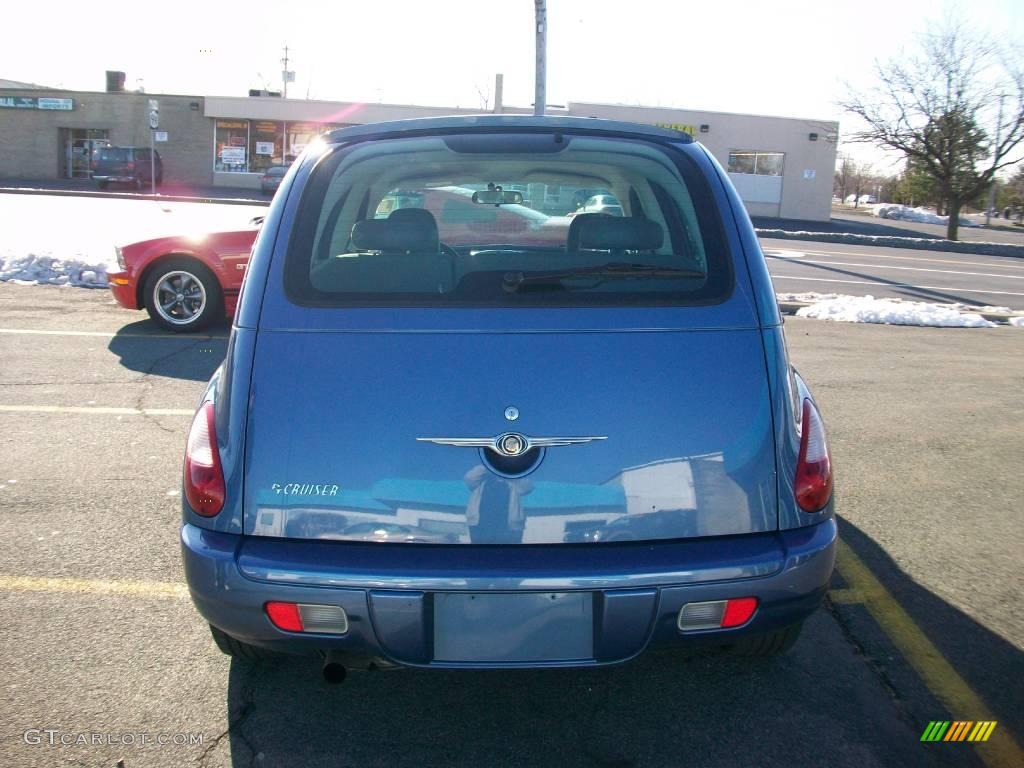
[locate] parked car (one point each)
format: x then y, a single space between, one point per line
127 165
271 179
512 394
184 282
607 204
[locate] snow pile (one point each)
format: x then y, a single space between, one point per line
810 297
1017 322
47 270
868 309
67 240
920 215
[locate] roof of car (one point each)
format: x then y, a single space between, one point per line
510 122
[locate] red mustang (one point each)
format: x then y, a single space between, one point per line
185 283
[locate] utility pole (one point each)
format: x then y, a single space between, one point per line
540 88
286 75
992 189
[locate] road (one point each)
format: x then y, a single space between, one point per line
99 637
934 276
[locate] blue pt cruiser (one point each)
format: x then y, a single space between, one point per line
463 424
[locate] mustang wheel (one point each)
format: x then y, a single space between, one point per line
183 295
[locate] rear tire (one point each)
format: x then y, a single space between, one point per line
235 648
768 644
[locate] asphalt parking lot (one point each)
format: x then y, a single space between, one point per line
100 639
913 275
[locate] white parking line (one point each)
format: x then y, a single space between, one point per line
892 285
97 410
864 255
107 334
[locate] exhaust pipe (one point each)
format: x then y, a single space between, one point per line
334 670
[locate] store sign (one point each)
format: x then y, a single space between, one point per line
264 148
233 155
31 102
690 129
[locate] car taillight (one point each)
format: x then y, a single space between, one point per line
130 166
814 466
716 614
204 477
308 617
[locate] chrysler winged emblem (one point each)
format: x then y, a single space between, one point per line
510 443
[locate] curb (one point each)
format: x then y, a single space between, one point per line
1003 318
892 241
133 196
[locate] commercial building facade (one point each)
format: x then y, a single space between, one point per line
782 167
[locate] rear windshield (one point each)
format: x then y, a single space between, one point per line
115 154
443 222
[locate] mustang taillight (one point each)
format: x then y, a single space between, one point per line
204 477
814 466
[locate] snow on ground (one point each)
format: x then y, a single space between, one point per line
60 240
922 215
1017 322
868 309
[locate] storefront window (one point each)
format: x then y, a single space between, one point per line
299 135
231 141
266 140
759 163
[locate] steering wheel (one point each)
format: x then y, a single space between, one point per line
447 250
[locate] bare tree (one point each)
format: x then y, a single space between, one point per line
841 180
935 108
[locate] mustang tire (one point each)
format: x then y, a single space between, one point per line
183 295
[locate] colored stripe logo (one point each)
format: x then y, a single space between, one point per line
958 730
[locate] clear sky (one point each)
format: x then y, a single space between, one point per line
788 57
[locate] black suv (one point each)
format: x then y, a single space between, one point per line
126 165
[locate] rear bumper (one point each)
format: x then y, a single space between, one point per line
637 590
123 288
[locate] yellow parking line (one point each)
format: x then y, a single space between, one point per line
91 586
935 671
97 409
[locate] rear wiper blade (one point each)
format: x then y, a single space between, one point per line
512 281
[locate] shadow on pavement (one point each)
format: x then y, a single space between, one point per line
841 697
986 662
144 347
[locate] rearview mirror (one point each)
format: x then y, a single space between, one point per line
497 197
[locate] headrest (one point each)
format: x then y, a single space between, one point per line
407 229
599 231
